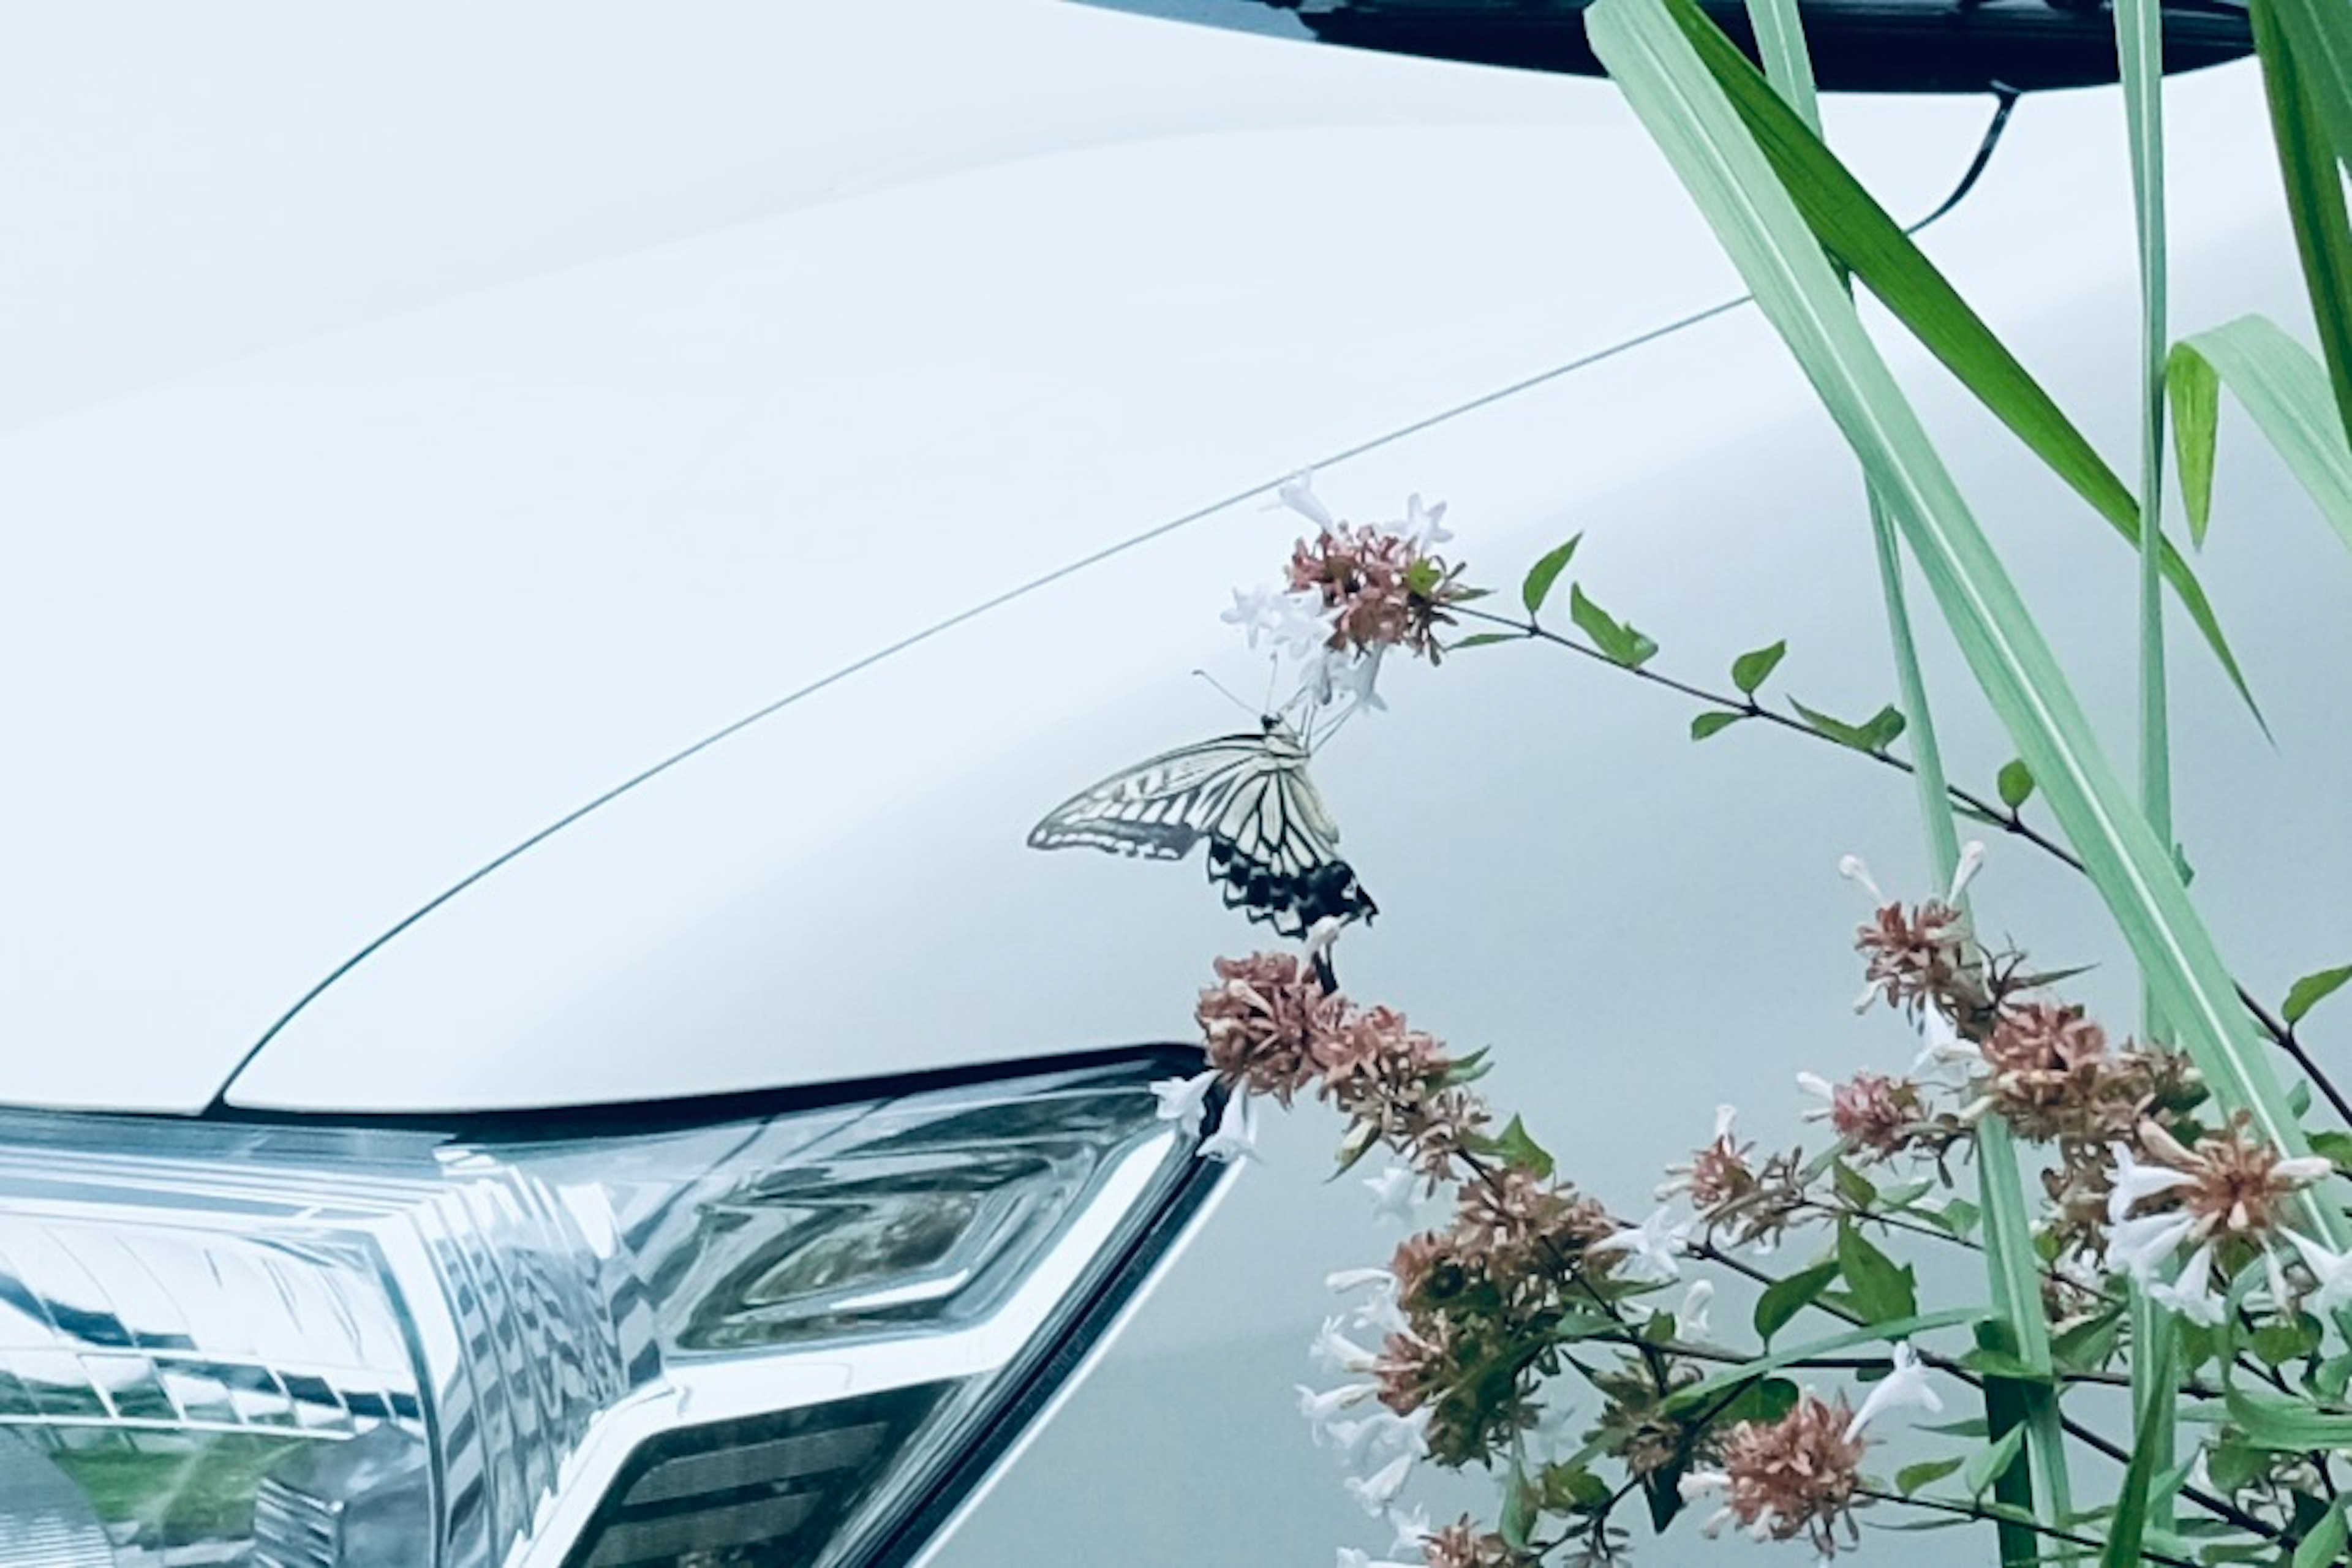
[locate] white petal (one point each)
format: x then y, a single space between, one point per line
1854 869
1903 1388
1691 1319
1297 493
1236 1134
1379 1489
1184 1100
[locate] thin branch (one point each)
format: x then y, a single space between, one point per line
1973 1511
1992 813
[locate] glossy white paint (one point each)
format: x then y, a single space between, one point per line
312 625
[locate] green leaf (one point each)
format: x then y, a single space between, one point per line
1990 1463
1521 1504
1874 735
1843 216
1729 1377
1544 574
1571 1488
2015 783
1752 668
2277 381
2279 1342
2276 1421
2325 1541
1614 637
1959 1216
2155 1387
1784 1299
2088 1345
1853 1186
1519 1151
1911 1478
1644 45
2311 989
2333 1145
1481 639
2311 129
2194 391
1705 726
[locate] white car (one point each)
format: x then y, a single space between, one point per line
553 557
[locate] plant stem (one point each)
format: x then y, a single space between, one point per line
1972 1510
1992 813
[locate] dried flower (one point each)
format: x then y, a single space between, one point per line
1463 1545
2236 1183
1922 956
1717 1175
1877 1114
1791 1477
1264 1020
1379 589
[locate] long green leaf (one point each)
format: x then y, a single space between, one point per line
2276 380
1887 1333
1687 113
1788 64
2314 200
2140 52
1851 225
2155 1392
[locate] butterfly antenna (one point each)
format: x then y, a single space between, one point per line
1228 696
1273 679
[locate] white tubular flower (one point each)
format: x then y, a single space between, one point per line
1940 1045
1347 1279
1425 526
1333 1350
1699 1485
1393 1191
1236 1134
1294 621
2142 1246
1354 1557
1185 1100
1352 673
1322 1410
1690 1320
1853 869
1322 936
2135 1182
1905 1388
1373 1493
1971 861
2331 1271
1411 1526
2192 1295
1297 493
1652 1250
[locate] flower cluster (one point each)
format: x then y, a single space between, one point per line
1353 592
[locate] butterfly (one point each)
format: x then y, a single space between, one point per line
1272 846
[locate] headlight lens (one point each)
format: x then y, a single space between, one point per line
760 1339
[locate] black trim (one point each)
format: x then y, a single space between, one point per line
622 1118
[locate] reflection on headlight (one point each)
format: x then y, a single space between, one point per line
750 1340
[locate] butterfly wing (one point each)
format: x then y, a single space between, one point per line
1273 846
1161 808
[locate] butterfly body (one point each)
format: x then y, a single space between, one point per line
1273 846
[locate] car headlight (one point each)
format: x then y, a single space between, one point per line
772 1336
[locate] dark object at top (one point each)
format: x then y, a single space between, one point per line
1857 45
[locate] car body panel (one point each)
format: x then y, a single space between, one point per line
372 608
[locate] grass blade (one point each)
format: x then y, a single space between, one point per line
1865 239
2314 200
2277 381
1692 122
1788 64
2140 52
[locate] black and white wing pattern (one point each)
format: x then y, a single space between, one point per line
1272 846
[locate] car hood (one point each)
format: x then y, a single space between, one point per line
324 622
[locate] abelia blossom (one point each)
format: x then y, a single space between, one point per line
1786 1478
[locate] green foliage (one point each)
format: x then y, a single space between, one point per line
1785 1298
1911 1478
1517 1149
1544 574
1992 1461
1705 726
2311 989
1752 668
2015 783
2304 49
1483 639
2285 390
1874 735
1616 638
